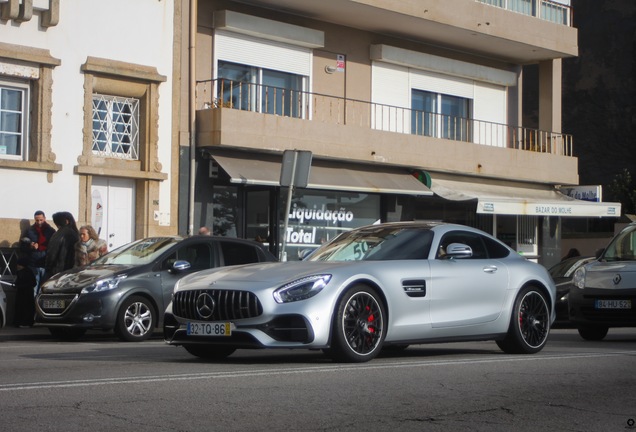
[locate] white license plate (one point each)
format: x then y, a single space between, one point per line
53 304
209 329
612 304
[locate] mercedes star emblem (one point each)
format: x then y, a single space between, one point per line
205 305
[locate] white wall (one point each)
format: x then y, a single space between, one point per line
140 32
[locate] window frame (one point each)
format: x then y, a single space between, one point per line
260 97
109 142
24 88
34 67
436 123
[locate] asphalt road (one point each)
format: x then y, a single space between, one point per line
101 384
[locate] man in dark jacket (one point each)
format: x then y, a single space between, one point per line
34 245
60 254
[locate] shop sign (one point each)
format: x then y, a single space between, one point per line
324 216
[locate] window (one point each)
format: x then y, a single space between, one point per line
439 115
13 121
116 126
235 253
258 89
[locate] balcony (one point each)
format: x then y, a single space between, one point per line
363 131
547 10
513 31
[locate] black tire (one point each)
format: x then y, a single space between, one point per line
135 320
529 324
67 334
593 333
359 326
210 352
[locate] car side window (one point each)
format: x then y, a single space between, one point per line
235 253
475 241
495 249
198 255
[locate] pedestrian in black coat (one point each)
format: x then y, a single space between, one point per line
60 254
24 292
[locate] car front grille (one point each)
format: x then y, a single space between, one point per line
55 304
216 305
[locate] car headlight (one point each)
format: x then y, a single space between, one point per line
104 284
578 280
301 289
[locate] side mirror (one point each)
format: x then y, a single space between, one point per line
179 266
459 250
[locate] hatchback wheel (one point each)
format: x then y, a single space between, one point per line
593 333
135 319
359 326
529 324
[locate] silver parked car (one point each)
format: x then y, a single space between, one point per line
604 291
387 285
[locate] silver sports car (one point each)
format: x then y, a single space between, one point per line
387 285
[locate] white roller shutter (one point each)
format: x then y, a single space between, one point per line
443 84
390 90
489 106
243 49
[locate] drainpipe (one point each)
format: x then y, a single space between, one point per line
192 109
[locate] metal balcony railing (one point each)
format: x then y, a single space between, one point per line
221 93
553 11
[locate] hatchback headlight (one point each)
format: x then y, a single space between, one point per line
104 284
301 289
578 280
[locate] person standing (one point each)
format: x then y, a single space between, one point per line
34 245
205 231
24 298
89 247
60 254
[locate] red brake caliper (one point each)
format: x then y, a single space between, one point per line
370 319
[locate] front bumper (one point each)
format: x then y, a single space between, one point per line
88 311
285 331
583 308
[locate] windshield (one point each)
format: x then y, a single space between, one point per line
622 247
376 244
139 252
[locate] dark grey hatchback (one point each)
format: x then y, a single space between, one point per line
128 289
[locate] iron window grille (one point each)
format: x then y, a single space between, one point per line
115 127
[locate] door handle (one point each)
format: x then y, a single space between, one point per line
490 269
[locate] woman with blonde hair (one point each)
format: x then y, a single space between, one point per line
89 247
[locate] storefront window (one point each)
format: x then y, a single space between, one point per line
317 217
224 199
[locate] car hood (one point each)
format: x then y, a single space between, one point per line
72 281
264 274
611 275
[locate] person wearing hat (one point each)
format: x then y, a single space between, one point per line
24 291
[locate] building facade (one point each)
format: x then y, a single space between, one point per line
410 109
86 116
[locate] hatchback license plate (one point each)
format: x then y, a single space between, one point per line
53 304
209 329
613 304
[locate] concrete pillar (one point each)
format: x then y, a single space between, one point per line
550 95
